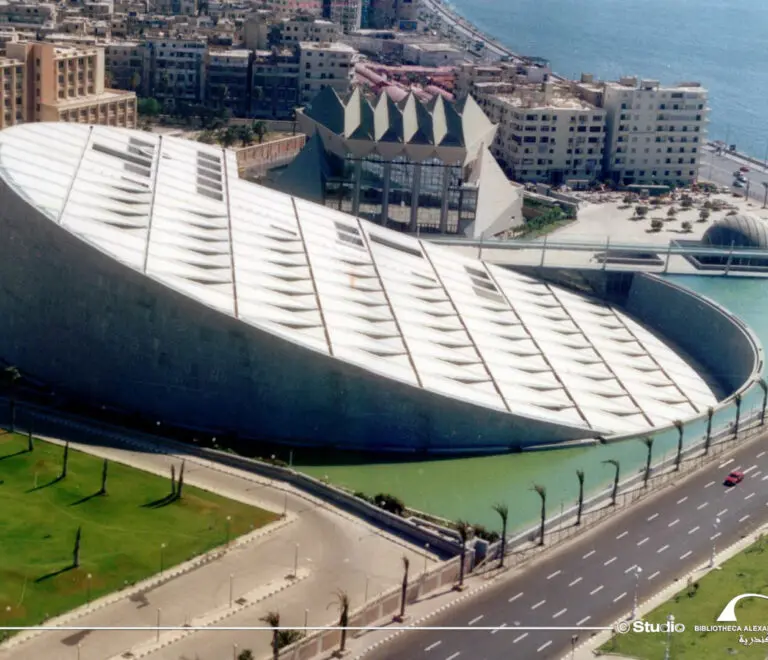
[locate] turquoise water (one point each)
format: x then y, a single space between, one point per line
720 43
467 488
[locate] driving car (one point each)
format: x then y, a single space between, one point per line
734 478
744 168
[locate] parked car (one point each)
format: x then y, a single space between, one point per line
734 478
738 183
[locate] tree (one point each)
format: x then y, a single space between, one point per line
404 586
671 212
465 531
648 442
580 476
104 469
503 511
180 484
246 135
687 227
686 202
245 654
656 224
764 387
737 401
708 438
342 602
228 136
704 215
272 618
76 551
260 129
641 211
173 481
11 376
617 466
135 82
206 137
542 491
149 107
678 459
65 461
628 199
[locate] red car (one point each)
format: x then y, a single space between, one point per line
734 478
744 169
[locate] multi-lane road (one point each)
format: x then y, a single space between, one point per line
720 169
592 582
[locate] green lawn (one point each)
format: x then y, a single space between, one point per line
747 572
122 531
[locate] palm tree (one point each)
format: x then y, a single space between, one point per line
342 602
542 491
503 511
272 618
465 532
246 135
65 461
763 386
260 129
228 137
76 551
708 439
737 399
580 476
678 459
11 376
648 442
404 587
615 463
104 469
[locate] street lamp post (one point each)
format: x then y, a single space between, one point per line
426 552
88 586
231 588
229 520
714 538
574 639
162 558
157 639
296 561
670 624
638 571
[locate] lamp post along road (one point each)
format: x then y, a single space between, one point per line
296 561
638 571
714 539
231 588
670 624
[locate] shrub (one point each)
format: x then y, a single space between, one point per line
687 226
288 637
656 224
686 202
628 199
486 534
671 212
734 212
390 503
703 215
641 211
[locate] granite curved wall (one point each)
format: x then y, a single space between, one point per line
76 318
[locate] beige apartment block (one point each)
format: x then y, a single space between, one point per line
654 134
546 134
325 65
65 83
12 92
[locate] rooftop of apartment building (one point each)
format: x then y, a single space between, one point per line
546 96
107 96
229 54
588 81
336 46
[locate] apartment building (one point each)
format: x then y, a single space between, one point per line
275 83
227 80
347 13
12 92
27 14
176 69
124 64
64 83
546 134
654 134
287 8
325 64
478 79
307 28
176 7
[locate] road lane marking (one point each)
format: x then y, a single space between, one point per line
757 473
543 646
749 469
645 540
714 536
722 513
750 495
674 522
653 517
594 591
583 621
576 581
729 490
552 575
662 549
619 597
764 478
722 465
433 646
622 535
701 506
519 637
682 499
539 604
695 529
475 620
743 518
514 598
589 554
610 561
453 655
560 613
631 568
495 630
761 454
653 575
711 483
687 554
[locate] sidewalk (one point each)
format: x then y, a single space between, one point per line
335 550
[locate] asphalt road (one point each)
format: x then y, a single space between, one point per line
720 169
592 582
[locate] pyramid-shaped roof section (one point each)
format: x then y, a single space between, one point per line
328 109
475 125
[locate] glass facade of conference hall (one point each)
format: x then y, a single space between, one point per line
428 196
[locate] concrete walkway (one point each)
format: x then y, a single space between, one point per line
335 551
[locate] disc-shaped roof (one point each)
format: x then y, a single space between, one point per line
405 309
740 230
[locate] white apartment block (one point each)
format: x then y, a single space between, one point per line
325 65
475 79
31 14
308 28
654 134
546 134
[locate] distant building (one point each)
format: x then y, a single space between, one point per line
13 94
227 80
412 166
124 63
27 14
307 28
347 13
325 64
275 83
654 134
175 69
433 54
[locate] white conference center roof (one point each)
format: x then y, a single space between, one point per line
403 308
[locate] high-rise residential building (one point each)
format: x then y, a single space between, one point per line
546 134
227 80
325 64
176 69
67 84
347 13
124 64
654 134
12 92
275 83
